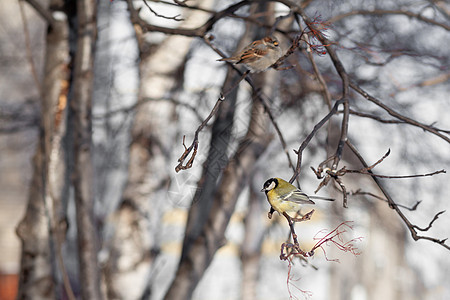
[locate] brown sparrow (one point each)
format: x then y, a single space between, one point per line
259 55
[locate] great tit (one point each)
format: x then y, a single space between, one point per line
283 196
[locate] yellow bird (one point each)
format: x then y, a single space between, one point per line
283 196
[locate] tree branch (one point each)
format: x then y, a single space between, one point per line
396 114
175 18
411 227
382 12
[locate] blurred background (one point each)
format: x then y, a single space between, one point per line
203 232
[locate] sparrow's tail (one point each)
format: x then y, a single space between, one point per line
230 59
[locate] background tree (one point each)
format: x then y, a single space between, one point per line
352 74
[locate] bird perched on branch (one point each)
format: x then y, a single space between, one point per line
283 197
259 55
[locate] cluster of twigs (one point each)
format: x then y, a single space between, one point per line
328 170
323 237
336 174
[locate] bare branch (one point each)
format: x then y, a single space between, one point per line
310 136
194 146
431 223
369 116
388 12
334 237
259 98
131 108
359 192
194 32
396 207
344 191
366 172
296 246
292 48
175 18
396 114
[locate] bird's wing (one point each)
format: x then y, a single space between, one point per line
251 55
297 196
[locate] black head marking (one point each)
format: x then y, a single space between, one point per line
267 185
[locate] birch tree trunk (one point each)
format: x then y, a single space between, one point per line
39 230
133 247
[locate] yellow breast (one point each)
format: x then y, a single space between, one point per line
281 205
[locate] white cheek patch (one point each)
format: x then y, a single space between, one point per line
271 186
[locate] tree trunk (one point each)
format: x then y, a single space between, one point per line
205 231
39 230
217 158
235 177
83 179
255 229
136 221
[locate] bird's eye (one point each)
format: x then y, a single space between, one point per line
271 186
275 44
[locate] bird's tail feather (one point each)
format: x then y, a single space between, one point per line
322 198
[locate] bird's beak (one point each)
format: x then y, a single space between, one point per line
262 190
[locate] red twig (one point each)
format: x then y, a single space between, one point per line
336 238
289 279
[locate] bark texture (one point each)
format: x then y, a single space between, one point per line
39 230
82 177
212 236
137 220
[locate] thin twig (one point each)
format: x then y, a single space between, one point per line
396 114
366 172
194 146
131 108
305 142
365 115
393 205
296 246
359 192
193 32
175 18
382 12
292 48
431 222
262 100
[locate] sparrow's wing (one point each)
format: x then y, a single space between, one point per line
297 196
251 55
248 56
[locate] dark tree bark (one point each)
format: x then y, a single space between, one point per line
212 236
216 161
212 208
82 177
